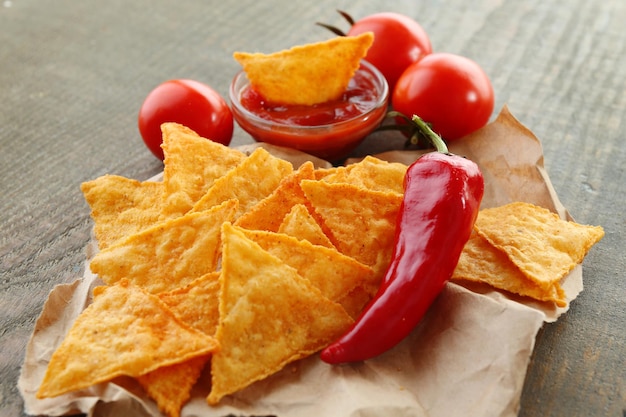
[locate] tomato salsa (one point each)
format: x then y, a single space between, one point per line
328 130
360 97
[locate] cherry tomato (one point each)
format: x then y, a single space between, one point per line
190 103
399 41
450 92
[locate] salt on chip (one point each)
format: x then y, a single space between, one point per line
170 386
269 317
191 165
121 206
197 303
481 262
125 331
252 180
362 221
334 274
541 244
268 213
169 254
300 224
306 74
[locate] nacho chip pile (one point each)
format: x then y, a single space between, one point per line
245 252
239 264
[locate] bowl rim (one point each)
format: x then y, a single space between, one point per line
260 122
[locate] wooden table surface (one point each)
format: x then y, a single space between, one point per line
74 73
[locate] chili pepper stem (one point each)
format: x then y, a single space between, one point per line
433 138
418 129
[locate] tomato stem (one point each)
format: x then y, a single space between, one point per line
335 29
346 16
332 28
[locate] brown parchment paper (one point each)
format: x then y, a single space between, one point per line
467 357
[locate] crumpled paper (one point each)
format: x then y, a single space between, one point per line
468 356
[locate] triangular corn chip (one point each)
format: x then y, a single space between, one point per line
168 255
191 166
332 174
541 244
306 74
377 175
121 206
269 317
482 262
334 274
252 180
125 331
197 303
362 222
300 224
268 213
170 386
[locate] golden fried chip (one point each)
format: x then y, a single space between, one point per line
170 386
197 303
251 181
300 224
168 255
332 174
334 274
121 206
125 331
306 74
362 222
357 299
268 213
192 165
378 175
541 244
269 317
482 262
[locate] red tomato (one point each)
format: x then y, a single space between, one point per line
449 91
399 41
190 103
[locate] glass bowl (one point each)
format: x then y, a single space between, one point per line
327 131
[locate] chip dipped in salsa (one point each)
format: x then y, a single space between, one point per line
361 96
319 98
328 130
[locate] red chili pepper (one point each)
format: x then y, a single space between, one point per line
441 201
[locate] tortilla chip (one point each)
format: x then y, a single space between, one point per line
378 175
541 244
306 74
333 273
362 222
332 174
269 317
357 299
252 180
170 386
268 213
192 165
121 207
168 255
300 224
482 262
125 331
197 303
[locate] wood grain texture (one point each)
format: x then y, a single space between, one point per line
73 75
